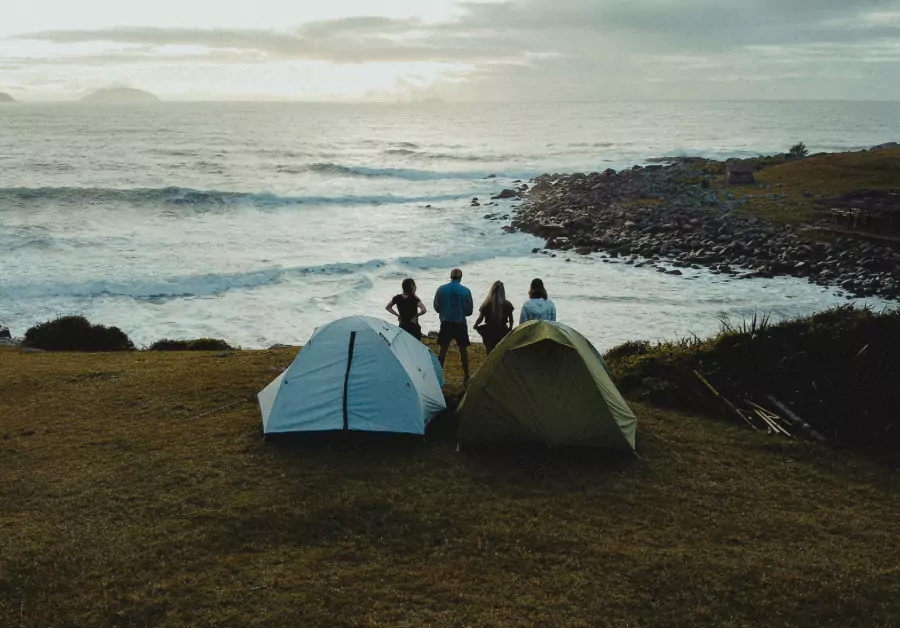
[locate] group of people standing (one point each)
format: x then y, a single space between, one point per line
453 302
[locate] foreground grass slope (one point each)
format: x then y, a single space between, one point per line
122 506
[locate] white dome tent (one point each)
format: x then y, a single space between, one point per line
357 373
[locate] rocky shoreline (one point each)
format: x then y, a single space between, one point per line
672 216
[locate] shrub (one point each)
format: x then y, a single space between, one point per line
798 151
169 345
76 333
208 344
629 349
837 369
200 344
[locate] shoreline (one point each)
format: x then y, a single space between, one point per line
684 215
669 217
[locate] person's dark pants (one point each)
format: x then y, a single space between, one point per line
492 338
454 331
413 329
458 332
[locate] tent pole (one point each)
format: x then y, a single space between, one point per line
347 377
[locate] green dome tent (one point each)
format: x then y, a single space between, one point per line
546 383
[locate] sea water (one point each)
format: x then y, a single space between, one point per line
259 222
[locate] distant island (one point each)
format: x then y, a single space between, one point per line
120 95
6 97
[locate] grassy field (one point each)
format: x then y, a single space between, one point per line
795 183
121 503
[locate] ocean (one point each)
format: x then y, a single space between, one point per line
258 222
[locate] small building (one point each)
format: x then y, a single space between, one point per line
740 172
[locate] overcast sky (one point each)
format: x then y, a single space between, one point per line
515 50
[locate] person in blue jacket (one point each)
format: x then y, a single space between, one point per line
453 302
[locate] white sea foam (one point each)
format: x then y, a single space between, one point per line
247 226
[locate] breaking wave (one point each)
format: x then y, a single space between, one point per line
213 284
338 170
418 155
407 174
176 196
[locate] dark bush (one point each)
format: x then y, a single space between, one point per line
76 333
208 344
629 349
798 151
169 345
837 369
200 344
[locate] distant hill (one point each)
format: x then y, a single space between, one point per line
120 95
6 98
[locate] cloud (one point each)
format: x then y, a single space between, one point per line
574 48
144 55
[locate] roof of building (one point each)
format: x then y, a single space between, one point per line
741 167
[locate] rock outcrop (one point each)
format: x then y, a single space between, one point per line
4 97
673 213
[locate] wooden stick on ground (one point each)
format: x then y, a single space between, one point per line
770 428
803 425
771 418
726 402
773 426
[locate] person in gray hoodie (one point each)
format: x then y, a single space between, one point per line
538 307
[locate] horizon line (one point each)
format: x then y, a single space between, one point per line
439 101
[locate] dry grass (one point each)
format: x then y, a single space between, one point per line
121 507
824 175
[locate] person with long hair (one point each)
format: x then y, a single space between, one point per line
409 309
538 307
497 314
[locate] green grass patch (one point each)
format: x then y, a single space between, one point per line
126 502
795 182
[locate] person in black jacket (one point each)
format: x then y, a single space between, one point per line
409 309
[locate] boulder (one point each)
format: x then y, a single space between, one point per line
583 222
506 194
